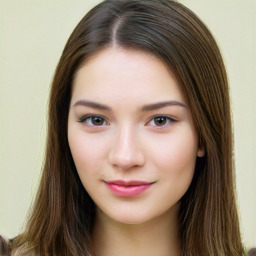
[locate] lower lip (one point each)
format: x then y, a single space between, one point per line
128 191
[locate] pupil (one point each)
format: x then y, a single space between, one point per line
97 120
160 120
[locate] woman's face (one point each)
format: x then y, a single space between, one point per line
131 135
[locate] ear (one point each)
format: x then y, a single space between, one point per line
201 152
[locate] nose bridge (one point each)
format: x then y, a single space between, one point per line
126 140
126 150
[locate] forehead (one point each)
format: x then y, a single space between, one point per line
125 73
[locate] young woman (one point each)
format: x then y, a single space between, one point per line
139 148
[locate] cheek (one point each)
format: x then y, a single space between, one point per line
175 165
88 153
176 155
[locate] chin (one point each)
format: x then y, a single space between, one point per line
136 217
125 217
132 220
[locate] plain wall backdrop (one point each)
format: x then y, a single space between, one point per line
32 36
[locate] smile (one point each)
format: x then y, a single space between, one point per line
128 189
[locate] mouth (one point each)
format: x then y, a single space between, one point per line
128 188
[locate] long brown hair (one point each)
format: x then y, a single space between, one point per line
62 219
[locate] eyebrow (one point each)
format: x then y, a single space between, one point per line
147 107
91 104
163 104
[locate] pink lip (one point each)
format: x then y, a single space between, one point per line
128 188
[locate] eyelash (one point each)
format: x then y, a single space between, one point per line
88 120
167 118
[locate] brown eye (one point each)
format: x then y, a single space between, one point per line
93 120
97 120
160 121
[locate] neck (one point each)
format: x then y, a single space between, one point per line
155 237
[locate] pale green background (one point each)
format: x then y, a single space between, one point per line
32 36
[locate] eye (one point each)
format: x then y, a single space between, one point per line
161 121
93 120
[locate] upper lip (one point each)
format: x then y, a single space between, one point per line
129 183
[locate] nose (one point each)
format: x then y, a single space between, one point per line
125 151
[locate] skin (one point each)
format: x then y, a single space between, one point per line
126 141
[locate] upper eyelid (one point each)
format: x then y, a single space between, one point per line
88 123
171 121
91 115
84 117
163 115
